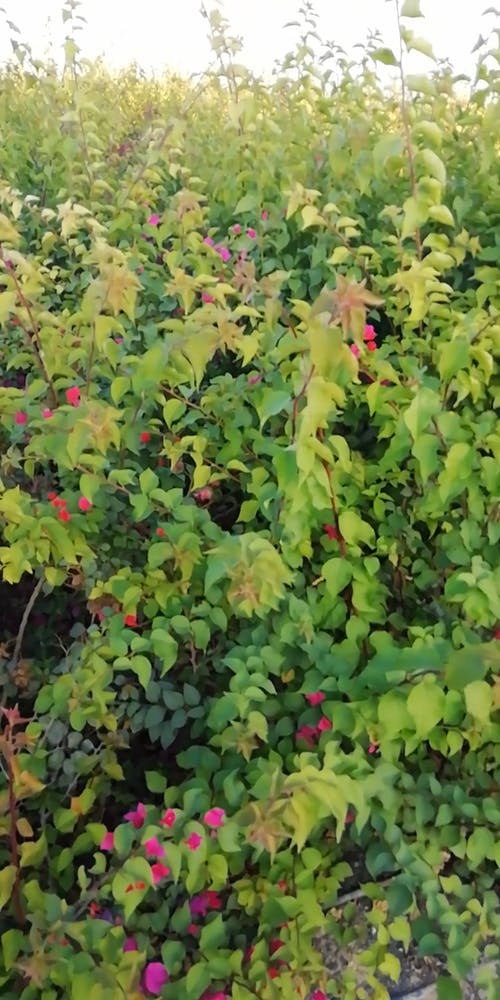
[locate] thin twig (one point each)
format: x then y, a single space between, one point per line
24 621
300 395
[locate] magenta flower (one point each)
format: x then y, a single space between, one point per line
308 734
154 220
205 297
73 395
168 819
198 905
154 978
237 229
154 848
193 841
373 747
324 724
315 698
47 414
369 333
318 995
108 842
251 233
224 253
137 816
214 817
264 215
355 350
84 505
159 871
21 418
130 944
209 241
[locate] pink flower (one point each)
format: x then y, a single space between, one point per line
154 220
224 253
47 414
205 297
214 817
193 841
373 747
209 241
154 978
237 229
138 815
251 233
130 944
208 900
324 724
318 995
168 818
154 848
372 345
355 350
332 532
264 215
73 395
308 734
369 333
108 842
84 504
21 418
159 871
315 698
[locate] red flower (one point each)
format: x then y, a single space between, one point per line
145 437
51 496
372 346
160 532
131 621
94 909
168 818
73 395
308 734
497 633
193 841
274 972
21 418
84 504
64 515
324 724
315 698
332 532
275 945
159 871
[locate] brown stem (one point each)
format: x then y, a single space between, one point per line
333 502
24 621
14 847
300 395
406 128
32 335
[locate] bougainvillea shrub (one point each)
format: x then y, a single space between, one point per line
250 524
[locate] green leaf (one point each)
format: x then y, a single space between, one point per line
272 402
388 148
249 203
213 935
425 450
12 945
142 667
465 666
453 357
156 782
337 574
448 989
7 879
411 8
354 530
426 704
385 56
424 406
442 214
421 85
433 164
33 852
479 700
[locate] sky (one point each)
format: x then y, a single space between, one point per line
171 34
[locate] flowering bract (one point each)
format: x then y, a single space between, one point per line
73 395
193 841
136 816
154 978
214 817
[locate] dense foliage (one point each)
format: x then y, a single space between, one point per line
249 515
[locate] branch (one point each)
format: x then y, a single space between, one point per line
33 335
24 621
